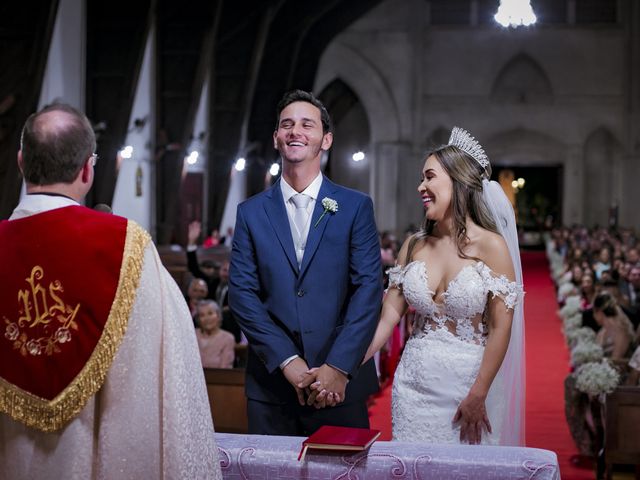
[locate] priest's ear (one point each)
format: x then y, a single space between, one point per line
86 173
20 162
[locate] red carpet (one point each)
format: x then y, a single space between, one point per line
547 367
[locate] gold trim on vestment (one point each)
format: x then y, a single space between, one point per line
51 415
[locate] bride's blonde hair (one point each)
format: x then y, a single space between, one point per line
466 200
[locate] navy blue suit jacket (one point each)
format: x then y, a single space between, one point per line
327 310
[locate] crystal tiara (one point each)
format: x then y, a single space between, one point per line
464 141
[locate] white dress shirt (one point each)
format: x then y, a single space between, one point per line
313 190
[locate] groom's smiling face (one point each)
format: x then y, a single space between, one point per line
299 136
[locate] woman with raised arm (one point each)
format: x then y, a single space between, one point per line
461 376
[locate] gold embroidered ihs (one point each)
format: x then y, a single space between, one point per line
41 306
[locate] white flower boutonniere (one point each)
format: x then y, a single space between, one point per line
329 205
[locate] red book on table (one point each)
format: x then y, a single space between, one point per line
329 437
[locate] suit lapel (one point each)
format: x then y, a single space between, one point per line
277 213
315 233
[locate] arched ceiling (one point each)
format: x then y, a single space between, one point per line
254 51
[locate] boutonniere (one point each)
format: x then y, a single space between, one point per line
329 205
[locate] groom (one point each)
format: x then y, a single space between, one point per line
305 285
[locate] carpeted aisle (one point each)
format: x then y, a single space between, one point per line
547 367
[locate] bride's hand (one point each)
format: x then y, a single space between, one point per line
472 415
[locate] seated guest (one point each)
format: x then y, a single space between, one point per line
106 385
207 270
222 298
587 290
616 333
216 345
197 291
213 240
603 263
634 287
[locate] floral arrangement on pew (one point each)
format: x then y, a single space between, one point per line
556 261
571 307
571 323
586 352
594 375
597 378
566 290
581 334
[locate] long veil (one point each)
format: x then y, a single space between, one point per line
512 371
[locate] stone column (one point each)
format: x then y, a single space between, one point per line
388 184
573 187
629 197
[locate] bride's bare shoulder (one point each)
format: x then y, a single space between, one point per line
411 245
493 251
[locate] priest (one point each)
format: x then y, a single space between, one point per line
100 375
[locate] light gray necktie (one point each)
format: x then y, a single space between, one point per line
300 217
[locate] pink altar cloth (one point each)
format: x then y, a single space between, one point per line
269 458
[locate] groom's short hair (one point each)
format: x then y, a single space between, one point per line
302 96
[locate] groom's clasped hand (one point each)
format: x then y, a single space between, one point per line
320 387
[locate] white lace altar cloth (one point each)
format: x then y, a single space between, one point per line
441 359
268 457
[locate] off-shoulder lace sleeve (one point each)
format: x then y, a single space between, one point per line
510 292
396 276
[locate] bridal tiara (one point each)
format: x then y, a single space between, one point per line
464 141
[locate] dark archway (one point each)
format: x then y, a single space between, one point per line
351 135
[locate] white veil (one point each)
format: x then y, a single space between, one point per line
512 371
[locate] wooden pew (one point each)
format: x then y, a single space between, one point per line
622 429
225 387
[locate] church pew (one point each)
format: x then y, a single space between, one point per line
622 429
225 387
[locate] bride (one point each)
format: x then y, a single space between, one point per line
461 376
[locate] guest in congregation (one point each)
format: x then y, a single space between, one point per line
208 270
216 345
221 296
634 287
94 381
213 240
587 290
197 291
228 237
603 263
305 285
616 333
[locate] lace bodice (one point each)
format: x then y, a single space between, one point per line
461 306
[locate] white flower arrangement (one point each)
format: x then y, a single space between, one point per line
571 306
586 352
572 322
582 334
556 272
566 289
595 378
329 205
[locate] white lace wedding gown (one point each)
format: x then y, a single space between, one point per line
442 357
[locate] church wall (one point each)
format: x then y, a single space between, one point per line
133 195
572 81
64 75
